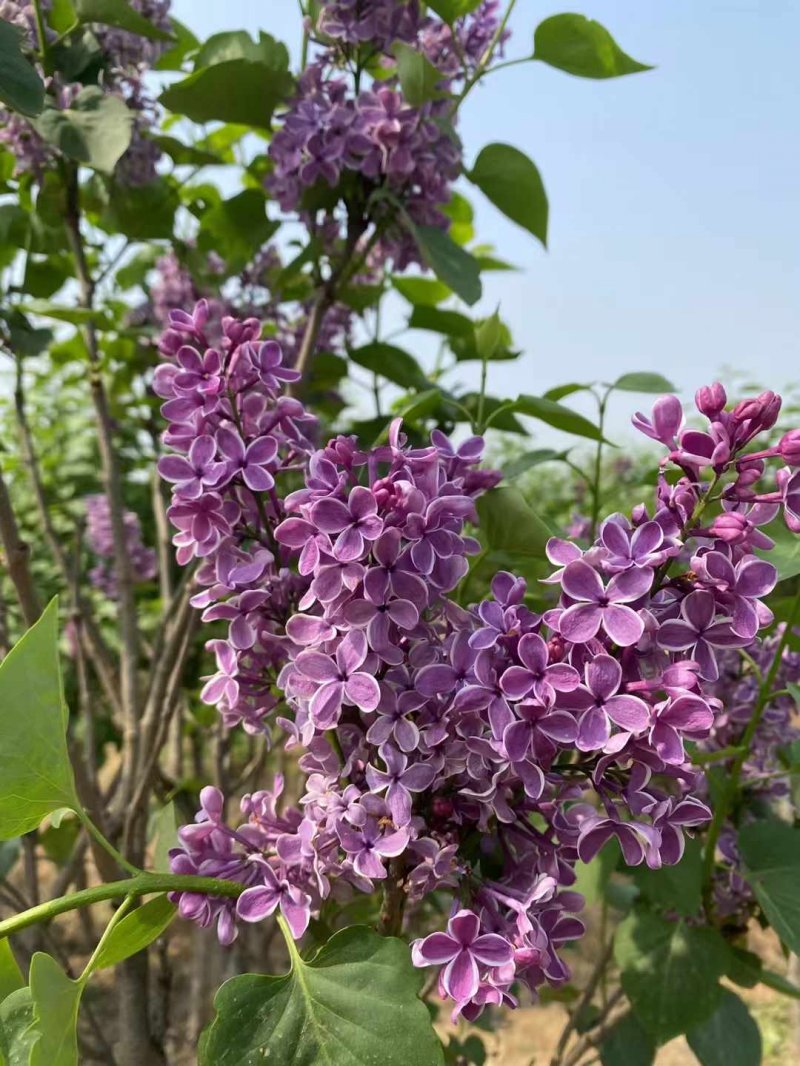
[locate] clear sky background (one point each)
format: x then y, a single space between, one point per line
674 221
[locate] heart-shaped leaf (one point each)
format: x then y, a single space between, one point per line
355 1003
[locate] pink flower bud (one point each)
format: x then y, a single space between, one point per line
762 412
711 400
789 447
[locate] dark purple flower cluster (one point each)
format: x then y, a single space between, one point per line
407 153
126 58
482 751
232 434
100 541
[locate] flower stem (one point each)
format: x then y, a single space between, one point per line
106 844
724 806
145 884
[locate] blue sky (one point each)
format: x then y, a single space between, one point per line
674 221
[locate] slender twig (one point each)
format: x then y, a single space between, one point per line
599 1031
584 1001
17 555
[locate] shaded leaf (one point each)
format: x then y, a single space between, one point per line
670 972
512 182
627 1044
450 10
35 772
17 1034
580 46
771 854
234 227
95 129
422 292
785 555
165 836
21 88
185 43
730 1037
450 323
56 1000
135 931
509 524
561 391
418 76
355 1003
392 363
644 382
238 91
119 13
142 212
558 416
530 459
675 888
10 975
450 263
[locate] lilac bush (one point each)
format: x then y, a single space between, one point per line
467 733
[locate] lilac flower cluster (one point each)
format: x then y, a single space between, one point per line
100 541
407 153
482 751
126 58
232 435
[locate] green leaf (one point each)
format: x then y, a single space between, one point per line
558 416
670 972
185 43
238 44
582 47
120 14
418 76
644 382
186 154
239 91
512 182
56 1000
10 975
461 214
559 392
354 1004
488 335
510 524
142 212
165 836
17 1033
235 227
136 930
21 88
420 406
627 1044
592 878
95 129
78 316
785 555
771 854
392 363
675 888
35 772
61 17
450 263
450 323
528 460
729 1037
496 413
450 10
422 292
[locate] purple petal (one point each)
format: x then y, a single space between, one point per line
418 777
603 676
492 950
437 949
330 515
362 690
460 977
464 927
580 582
593 730
622 624
580 622
628 712
257 903
630 585
296 909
